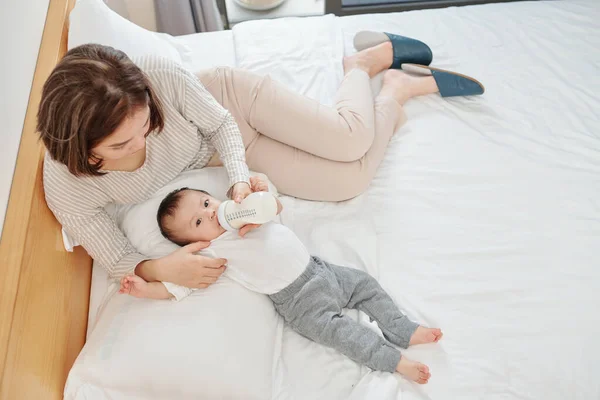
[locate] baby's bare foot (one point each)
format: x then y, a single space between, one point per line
413 370
425 335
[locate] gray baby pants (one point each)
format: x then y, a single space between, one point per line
312 306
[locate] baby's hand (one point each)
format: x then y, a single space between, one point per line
135 286
257 184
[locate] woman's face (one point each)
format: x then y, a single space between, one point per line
128 139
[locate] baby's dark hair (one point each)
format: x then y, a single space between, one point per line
167 208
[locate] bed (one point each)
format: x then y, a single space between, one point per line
483 218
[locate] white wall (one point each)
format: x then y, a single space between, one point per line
21 27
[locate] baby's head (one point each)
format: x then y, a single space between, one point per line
189 215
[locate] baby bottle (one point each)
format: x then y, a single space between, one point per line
257 208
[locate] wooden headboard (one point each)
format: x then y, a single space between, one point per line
44 291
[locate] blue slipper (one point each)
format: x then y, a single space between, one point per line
406 50
449 83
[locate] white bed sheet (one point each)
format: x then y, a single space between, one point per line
294 50
486 211
483 218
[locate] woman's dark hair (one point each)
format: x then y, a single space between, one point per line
90 92
167 208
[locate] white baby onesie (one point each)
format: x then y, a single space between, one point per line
266 260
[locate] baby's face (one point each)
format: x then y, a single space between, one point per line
196 217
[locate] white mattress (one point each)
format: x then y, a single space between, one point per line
484 217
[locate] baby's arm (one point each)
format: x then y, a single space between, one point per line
135 286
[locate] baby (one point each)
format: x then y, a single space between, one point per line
308 292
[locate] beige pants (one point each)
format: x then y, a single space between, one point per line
308 150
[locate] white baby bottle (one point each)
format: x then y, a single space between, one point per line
257 208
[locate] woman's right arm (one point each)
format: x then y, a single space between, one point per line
105 243
79 207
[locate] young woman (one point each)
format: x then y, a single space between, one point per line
117 131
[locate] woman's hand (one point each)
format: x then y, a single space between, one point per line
257 184
184 268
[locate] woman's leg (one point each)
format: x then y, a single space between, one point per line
262 105
300 174
309 150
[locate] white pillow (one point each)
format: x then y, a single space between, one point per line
92 21
219 343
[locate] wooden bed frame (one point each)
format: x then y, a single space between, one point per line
44 291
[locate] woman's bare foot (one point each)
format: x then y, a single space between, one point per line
413 370
425 335
372 60
402 86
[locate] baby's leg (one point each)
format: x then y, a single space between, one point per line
361 344
350 338
367 295
312 306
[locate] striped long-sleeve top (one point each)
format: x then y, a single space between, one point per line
195 126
